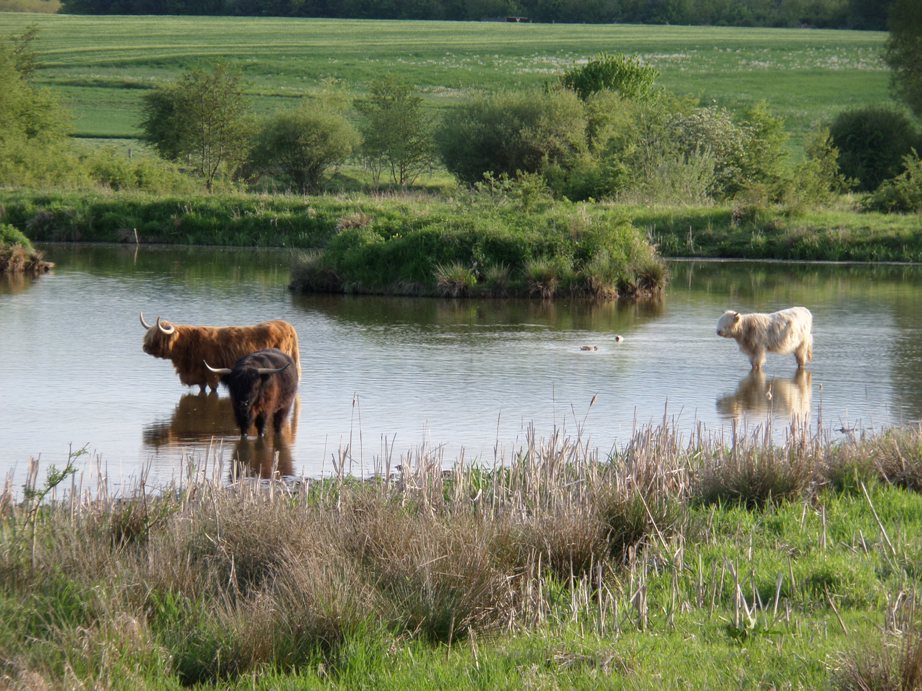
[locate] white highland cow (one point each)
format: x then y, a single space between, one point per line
785 331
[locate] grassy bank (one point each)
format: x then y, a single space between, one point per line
311 223
674 562
473 244
744 232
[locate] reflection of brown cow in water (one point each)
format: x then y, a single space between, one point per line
200 418
189 346
782 397
257 457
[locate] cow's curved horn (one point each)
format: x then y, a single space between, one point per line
218 370
166 330
144 323
270 370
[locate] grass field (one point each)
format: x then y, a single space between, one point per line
101 65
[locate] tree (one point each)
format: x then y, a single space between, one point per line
202 118
396 133
303 144
33 135
904 52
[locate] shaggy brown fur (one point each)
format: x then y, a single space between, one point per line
188 347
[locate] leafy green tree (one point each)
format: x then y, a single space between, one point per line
202 118
397 135
512 133
33 127
904 52
625 75
303 144
818 179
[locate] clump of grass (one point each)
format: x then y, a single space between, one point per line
894 665
356 219
543 277
496 278
894 457
757 474
310 275
454 279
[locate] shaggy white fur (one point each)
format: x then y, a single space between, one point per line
786 331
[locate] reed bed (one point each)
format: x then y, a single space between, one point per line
744 542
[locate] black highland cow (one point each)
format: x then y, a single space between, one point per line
261 384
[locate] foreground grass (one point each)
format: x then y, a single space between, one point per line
672 562
101 66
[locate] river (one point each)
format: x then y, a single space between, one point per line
387 379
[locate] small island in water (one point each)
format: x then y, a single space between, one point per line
18 256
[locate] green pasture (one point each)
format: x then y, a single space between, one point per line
102 65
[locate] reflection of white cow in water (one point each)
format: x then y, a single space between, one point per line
758 395
785 331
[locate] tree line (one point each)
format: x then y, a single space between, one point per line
603 129
837 14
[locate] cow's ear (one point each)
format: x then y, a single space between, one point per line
736 317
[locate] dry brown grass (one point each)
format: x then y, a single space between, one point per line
236 577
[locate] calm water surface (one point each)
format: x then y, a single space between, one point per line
392 376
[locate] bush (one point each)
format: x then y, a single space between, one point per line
302 145
872 142
818 179
111 169
625 75
513 133
745 155
902 194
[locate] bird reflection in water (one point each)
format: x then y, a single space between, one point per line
757 394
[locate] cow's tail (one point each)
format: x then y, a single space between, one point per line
296 351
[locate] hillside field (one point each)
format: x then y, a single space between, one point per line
101 66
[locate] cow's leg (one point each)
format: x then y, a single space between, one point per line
801 354
757 359
261 424
278 418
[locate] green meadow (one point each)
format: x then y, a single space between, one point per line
101 66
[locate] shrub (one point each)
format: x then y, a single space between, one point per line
302 145
872 142
625 75
745 154
512 133
818 179
901 194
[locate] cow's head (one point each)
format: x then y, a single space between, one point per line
727 324
159 339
